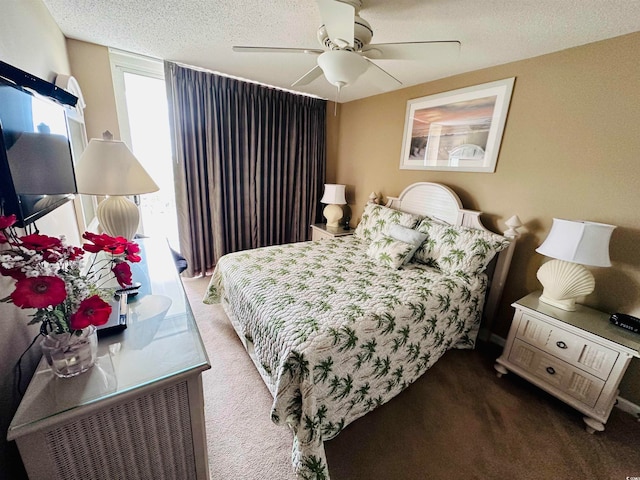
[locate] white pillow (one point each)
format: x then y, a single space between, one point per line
407 235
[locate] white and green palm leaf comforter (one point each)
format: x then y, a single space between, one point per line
334 334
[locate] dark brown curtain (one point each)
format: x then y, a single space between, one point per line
249 164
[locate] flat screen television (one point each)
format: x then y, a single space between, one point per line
36 164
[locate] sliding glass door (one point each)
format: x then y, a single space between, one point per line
144 126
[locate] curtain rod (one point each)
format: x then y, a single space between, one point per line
202 69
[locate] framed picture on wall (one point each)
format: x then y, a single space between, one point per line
460 130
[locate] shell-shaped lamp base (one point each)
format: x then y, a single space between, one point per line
564 282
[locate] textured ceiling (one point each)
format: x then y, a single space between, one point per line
201 33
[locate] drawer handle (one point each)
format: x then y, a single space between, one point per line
550 370
561 345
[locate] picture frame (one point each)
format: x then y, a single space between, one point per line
459 130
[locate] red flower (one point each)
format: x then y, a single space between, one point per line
50 256
113 245
6 222
40 242
132 249
122 271
104 243
39 292
92 311
75 253
15 273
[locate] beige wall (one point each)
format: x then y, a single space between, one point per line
31 41
90 66
570 150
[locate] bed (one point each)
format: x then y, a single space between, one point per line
338 327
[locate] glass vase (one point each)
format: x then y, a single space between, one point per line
70 354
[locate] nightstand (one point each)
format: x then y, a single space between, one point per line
578 357
320 231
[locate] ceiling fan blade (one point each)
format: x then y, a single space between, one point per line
338 18
241 49
381 78
412 50
308 77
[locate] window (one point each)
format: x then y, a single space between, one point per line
143 117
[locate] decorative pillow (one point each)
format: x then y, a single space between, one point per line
377 219
454 249
390 252
407 235
425 252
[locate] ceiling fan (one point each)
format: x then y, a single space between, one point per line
347 53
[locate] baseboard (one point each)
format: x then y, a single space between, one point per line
621 403
629 407
493 338
486 336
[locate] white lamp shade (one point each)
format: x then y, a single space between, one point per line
572 244
341 67
585 243
107 167
333 194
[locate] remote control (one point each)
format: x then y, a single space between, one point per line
625 321
131 290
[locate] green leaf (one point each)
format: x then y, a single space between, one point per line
323 369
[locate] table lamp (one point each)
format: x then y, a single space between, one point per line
572 244
333 197
107 167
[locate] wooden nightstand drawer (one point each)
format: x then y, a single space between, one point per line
566 345
554 372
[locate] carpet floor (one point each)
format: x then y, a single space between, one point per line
457 421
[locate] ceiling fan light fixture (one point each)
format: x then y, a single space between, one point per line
347 52
342 67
